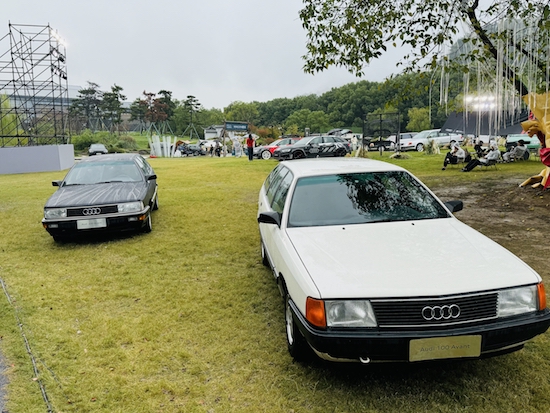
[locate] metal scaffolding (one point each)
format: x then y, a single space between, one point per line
34 98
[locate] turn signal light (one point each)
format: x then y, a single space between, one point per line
542 296
315 312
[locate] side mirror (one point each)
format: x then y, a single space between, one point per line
56 183
454 206
151 177
270 217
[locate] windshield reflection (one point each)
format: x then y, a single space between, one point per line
361 198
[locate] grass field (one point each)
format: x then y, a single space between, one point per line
186 319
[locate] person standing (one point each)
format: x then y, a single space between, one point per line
250 146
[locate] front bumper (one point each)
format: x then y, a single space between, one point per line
68 227
394 345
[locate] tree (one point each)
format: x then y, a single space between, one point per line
316 121
419 119
87 106
111 106
242 112
351 33
9 126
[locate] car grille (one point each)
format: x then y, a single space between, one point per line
418 312
92 211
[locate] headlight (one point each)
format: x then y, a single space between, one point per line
55 213
285 150
130 207
353 313
517 301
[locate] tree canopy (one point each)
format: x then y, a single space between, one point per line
351 33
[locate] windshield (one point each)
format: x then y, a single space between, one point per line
361 198
86 173
422 135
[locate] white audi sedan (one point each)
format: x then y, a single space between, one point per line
362 253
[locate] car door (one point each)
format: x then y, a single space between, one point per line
150 183
314 147
273 198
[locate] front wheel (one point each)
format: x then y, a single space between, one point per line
296 343
298 155
420 147
340 152
266 155
156 203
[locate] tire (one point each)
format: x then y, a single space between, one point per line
420 147
296 343
265 260
156 203
266 155
59 238
340 152
298 155
148 224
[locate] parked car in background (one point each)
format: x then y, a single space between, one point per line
318 217
193 149
419 141
266 151
97 149
108 193
532 143
314 147
374 144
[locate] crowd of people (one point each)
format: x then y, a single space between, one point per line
483 156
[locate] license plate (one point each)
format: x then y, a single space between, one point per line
91 223
444 348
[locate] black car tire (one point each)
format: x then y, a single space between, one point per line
340 152
156 203
59 238
420 147
298 155
148 224
265 155
296 343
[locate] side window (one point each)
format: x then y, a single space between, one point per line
328 139
317 140
274 184
271 177
279 199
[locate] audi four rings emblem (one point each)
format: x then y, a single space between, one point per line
91 211
440 312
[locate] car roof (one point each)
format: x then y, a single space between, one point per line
324 166
110 157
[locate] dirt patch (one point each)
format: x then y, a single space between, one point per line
517 218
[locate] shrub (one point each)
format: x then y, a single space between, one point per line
128 143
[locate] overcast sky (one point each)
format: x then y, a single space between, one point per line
219 51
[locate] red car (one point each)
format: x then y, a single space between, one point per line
265 152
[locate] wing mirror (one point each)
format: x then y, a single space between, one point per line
270 217
454 206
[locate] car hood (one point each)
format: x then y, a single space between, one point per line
406 259
97 194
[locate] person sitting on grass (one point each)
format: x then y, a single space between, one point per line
492 155
454 155
516 152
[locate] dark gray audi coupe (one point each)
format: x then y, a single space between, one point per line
108 193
